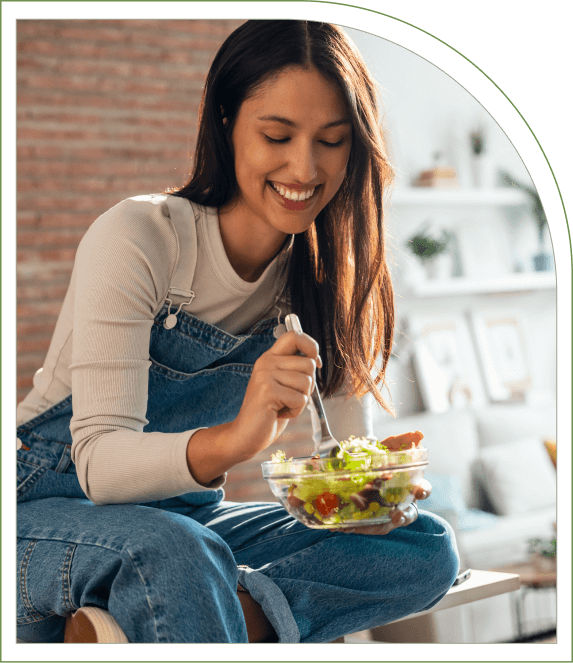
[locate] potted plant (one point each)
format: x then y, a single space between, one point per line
542 259
427 249
481 165
542 553
477 140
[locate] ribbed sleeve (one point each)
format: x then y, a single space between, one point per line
122 273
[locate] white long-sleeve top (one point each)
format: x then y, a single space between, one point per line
100 350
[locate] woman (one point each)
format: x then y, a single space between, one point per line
168 343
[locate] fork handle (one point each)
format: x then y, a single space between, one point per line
292 323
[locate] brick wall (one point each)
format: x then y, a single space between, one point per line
106 110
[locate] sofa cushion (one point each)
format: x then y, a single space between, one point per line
500 424
507 540
446 500
517 477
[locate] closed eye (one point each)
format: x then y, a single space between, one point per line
278 141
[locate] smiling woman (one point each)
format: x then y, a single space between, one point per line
167 369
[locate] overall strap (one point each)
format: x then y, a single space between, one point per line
184 216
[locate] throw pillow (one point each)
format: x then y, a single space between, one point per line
551 446
517 477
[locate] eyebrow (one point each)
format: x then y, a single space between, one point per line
290 123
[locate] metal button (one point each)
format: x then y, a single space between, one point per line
170 321
18 443
279 330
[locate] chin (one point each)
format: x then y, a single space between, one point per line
292 224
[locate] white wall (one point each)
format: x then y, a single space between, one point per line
426 111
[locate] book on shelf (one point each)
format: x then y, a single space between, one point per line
439 177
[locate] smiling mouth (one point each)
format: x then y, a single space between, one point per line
295 200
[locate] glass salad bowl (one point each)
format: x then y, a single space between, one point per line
363 484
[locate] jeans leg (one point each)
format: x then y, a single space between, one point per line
153 570
333 583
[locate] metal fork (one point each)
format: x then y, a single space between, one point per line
324 443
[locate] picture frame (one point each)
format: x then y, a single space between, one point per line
445 362
501 353
483 250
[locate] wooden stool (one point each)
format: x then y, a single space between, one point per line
97 625
93 625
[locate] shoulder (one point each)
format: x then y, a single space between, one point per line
137 234
143 223
137 211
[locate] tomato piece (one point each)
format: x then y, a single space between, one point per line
326 503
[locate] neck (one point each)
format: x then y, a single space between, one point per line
250 251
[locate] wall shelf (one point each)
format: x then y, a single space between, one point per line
508 283
407 202
411 196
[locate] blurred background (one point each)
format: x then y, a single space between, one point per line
108 109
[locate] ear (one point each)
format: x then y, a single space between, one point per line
225 120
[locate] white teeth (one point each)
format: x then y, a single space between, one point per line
292 195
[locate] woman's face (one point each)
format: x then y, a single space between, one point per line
291 143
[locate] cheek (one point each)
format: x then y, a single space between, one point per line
337 169
257 157
252 166
338 175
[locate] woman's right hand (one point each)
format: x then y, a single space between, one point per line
279 389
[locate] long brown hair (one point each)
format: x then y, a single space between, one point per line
338 281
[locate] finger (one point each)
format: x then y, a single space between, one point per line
399 518
296 363
293 342
423 490
294 380
403 518
283 413
288 403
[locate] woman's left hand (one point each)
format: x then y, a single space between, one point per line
399 518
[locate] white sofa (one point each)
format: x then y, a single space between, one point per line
494 482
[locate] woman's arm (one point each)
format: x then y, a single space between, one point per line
208 454
121 275
278 390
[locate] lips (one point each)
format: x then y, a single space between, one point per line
295 204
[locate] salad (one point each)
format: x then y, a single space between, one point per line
358 483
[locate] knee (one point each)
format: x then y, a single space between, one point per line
439 550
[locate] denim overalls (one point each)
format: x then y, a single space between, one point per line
168 570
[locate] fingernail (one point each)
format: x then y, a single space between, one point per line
401 520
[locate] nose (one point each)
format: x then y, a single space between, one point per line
303 163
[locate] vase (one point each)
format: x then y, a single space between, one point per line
542 563
440 267
542 260
483 171
411 273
